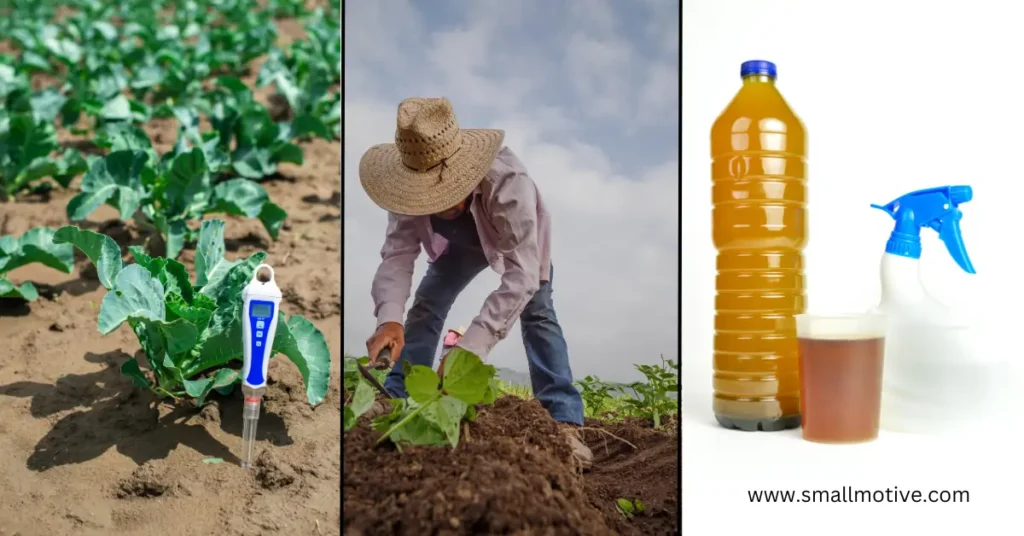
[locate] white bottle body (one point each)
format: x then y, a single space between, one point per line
258 331
932 381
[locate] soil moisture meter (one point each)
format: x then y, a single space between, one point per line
261 300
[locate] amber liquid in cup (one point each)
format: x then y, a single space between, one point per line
841 388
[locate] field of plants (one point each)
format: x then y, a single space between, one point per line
152 154
469 454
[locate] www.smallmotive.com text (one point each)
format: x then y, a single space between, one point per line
849 494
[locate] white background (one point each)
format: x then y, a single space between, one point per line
895 97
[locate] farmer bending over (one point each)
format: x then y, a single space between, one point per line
469 202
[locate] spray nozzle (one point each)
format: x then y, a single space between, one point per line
935 208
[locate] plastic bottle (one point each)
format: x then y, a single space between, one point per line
932 378
758 171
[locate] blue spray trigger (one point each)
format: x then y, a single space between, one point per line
935 208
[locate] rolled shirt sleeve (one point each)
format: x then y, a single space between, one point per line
515 217
392 283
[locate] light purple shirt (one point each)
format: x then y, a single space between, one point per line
515 234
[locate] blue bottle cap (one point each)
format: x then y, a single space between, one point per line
762 67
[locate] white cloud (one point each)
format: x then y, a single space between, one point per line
543 78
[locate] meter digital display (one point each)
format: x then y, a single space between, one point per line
261 310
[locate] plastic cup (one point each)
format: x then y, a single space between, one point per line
841 363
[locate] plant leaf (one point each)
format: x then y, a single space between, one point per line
210 262
188 182
26 291
362 401
419 431
136 295
114 179
101 250
177 230
305 346
123 137
238 197
422 384
466 377
180 336
131 369
229 284
171 273
273 218
201 388
197 316
446 414
117 109
36 245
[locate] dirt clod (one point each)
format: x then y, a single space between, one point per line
147 480
272 473
210 413
64 322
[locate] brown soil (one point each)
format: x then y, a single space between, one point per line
650 473
513 473
85 453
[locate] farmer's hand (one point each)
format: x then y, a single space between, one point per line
388 335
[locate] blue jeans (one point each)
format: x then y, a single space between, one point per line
547 354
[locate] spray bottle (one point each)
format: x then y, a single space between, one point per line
932 380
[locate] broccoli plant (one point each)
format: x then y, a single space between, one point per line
652 398
26 148
247 132
35 246
169 192
191 331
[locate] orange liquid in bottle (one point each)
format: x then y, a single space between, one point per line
758 171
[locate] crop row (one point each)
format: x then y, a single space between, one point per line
437 405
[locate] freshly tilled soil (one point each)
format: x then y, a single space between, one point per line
512 474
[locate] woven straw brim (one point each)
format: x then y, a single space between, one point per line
399 189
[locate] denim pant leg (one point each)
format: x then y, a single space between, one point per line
547 355
445 279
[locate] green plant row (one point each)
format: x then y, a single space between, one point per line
186 64
654 400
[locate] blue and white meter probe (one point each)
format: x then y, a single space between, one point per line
261 301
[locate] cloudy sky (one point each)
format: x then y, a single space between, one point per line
587 93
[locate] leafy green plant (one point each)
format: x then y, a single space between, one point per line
596 396
247 132
26 146
652 400
191 331
169 193
629 508
436 407
35 246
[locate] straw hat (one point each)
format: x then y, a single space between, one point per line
433 164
